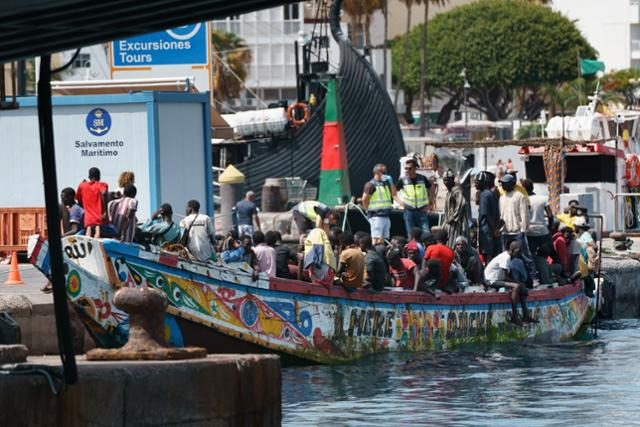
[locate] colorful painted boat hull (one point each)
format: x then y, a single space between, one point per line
220 307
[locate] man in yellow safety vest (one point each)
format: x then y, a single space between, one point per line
377 199
414 190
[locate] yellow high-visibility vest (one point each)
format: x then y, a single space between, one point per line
381 198
414 195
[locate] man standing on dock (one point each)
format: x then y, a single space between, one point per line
377 199
414 189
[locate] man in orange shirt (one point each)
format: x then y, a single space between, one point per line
441 252
351 269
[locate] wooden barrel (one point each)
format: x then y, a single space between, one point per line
281 183
271 199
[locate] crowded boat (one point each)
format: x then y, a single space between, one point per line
514 245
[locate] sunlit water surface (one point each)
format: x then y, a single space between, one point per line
585 382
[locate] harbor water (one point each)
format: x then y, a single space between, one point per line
590 381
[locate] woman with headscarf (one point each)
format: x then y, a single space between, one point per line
455 210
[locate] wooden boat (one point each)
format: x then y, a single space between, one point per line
220 307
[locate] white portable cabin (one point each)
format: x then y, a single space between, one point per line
163 137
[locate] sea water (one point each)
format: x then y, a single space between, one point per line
587 382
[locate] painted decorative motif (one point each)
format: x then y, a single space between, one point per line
322 328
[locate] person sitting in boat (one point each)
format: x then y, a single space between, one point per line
335 237
122 213
284 257
319 260
72 214
587 260
351 268
412 252
265 253
562 235
403 270
160 228
442 253
468 260
240 251
416 235
375 272
507 270
199 234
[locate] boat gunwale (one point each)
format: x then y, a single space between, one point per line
359 295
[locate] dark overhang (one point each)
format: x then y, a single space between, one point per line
31 28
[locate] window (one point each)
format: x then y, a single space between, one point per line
290 94
291 12
83 60
271 94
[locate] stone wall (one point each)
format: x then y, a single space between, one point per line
625 273
220 390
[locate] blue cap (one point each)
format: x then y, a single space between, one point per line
507 179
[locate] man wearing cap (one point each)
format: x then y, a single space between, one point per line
247 213
519 188
489 243
377 199
455 210
514 212
415 197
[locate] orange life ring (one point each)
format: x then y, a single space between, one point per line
632 170
291 113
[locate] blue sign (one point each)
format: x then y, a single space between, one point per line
98 122
182 45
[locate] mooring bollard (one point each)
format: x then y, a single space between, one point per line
145 307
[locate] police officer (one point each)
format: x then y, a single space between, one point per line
414 190
377 199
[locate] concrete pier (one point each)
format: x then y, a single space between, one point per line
220 390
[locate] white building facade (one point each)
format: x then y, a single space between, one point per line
612 27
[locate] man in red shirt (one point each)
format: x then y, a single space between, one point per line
92 195
403 270
442 253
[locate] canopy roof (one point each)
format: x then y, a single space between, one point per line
31 28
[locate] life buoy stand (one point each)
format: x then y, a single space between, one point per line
291 111
632 170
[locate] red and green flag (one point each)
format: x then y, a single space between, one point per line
334 170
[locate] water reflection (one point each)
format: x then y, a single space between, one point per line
588 382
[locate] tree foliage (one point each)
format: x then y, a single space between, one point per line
231 63
504 45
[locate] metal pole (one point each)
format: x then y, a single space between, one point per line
595 318
615 166
48 157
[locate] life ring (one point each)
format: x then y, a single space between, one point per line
632 170
291 113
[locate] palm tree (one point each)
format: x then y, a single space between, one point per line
423 63
405 52
362 10
231 63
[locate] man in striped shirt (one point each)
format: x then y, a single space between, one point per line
122 213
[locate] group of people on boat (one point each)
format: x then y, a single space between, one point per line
516 243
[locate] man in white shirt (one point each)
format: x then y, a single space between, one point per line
201 232
515 214
507 270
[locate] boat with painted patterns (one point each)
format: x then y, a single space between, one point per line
220 307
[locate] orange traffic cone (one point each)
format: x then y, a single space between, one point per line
14 273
